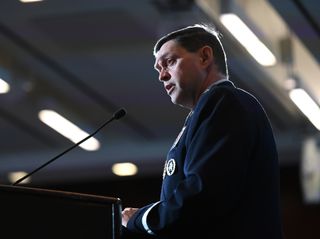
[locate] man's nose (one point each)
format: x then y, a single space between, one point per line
164 75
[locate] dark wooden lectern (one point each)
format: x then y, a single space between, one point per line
34 213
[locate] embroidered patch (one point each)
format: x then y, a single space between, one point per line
170 167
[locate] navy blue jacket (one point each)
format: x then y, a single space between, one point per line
221 178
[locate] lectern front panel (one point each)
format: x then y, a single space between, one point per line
40 213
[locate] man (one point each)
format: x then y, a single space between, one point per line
221 174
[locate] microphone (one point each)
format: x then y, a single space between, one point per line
117 115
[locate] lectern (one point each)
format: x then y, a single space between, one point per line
34 213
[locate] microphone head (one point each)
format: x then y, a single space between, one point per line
119 114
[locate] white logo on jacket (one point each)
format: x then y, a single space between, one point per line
170 167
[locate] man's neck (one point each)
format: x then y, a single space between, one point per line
213 78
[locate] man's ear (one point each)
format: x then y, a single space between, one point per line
206 55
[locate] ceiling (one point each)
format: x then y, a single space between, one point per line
87 59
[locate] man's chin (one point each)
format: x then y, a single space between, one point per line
174 100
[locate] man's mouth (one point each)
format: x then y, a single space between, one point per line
169 88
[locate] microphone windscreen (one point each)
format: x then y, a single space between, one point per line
119 114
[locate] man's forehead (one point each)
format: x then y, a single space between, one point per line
167 48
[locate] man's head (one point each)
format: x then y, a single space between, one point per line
188 61
192 38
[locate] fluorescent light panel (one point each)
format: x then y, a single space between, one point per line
307 105
4 87
248 39
68 129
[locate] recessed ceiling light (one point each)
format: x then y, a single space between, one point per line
29 1
124 169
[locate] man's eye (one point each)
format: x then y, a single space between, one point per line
170 62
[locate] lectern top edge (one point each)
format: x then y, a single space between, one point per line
58 193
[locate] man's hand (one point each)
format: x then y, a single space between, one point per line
127 213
